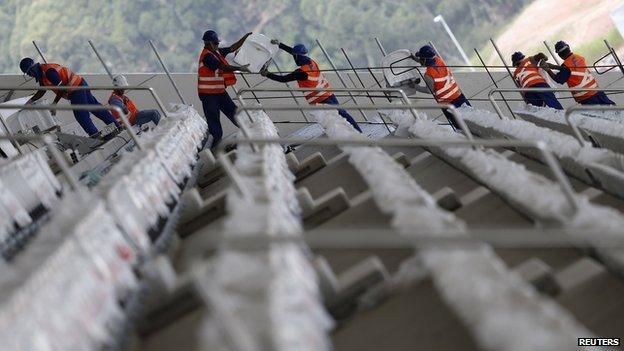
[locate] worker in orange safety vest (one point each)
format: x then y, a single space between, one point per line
575 73
439 81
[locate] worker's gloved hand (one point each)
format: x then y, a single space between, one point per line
244 68
275 42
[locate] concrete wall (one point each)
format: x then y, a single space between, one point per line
475 85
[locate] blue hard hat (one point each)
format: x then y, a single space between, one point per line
26 64
300 49
211 36
516 57
426 52
561 46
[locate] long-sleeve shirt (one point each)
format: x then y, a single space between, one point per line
212 62
295 75
563 75
51 74
427 88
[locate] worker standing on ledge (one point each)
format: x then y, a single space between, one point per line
575 73
214 75
309 75
440 81
51 75
527 75
119 99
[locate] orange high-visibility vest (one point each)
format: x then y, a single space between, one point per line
527 74
580 77
132 109
68 78
445 88
213 81
316 79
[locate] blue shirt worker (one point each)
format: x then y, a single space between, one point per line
575 73
135 116
308 76
440 82
55 75
527 75
214 75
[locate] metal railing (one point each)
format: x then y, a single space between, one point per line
548 157
332 90
408 106
572 109
573 127
122 115
159 103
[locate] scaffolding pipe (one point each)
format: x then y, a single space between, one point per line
162 64
344 84
97 54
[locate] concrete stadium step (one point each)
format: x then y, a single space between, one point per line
413 316
338 173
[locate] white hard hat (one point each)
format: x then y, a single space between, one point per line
120 81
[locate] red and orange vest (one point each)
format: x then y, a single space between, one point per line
580 77
68 78
316 79
445 88
213 81
132 109
527 74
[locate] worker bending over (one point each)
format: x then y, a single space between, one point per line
309 75
52 75
214 75
440 82
575 73
119 99
527 75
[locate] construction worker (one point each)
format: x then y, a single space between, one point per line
213 76
52 74
440 82
575 73
309 75
119 99
527 75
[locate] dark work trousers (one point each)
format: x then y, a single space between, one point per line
457 103
332 100
84 97
213 105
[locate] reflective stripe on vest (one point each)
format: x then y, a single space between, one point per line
445 88
68 78
527 74
316 79
580 77
210 81
132 109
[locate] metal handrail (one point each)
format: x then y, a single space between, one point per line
452 110
568 112
573 127
122 115
404 97
60 161
151 90
540 146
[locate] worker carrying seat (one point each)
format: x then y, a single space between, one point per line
257 51
397 74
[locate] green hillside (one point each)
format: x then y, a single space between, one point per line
122 28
